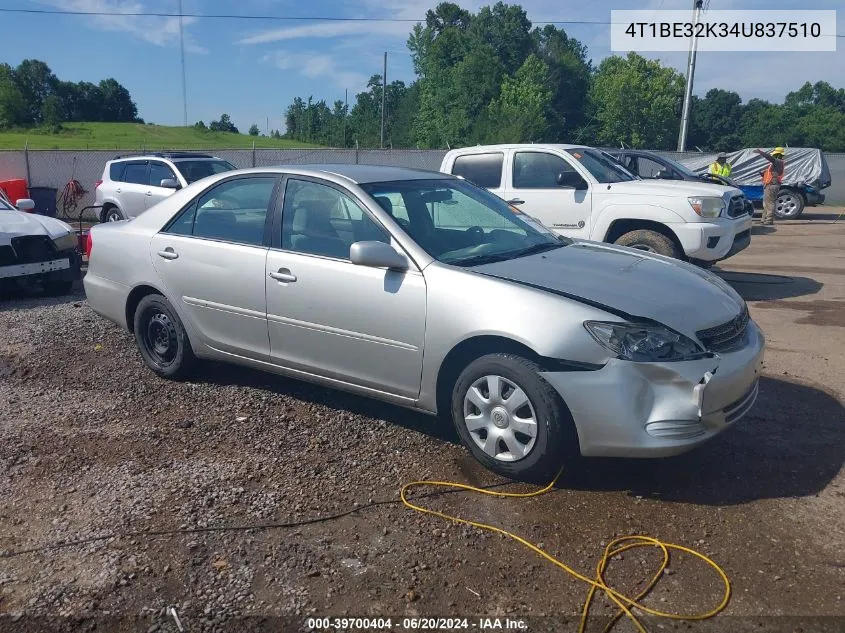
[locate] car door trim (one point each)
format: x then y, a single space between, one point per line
222 307
307 325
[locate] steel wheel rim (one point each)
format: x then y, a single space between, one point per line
500 418
160 338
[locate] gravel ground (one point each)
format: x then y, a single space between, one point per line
94 445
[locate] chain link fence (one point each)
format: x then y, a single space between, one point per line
55 168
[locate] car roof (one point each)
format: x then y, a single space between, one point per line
503 146
172 156
363 174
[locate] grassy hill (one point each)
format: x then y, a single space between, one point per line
135 136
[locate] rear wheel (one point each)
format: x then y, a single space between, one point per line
511 420
111 214
650 241
162 339
789 205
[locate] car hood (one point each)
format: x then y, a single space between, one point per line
627 282
18 223
673 188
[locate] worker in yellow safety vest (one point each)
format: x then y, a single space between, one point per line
721 167
772 179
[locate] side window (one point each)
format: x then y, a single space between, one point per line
629 163
311 223
484 170
394 204
649 167
538 170
116 171
159 172
233 211
135 173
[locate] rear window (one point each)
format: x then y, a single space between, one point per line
484 170
116 171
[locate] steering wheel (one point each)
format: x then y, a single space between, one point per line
477 233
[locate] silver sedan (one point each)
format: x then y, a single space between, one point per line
420 289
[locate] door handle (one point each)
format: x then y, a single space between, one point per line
283 275
117 190
168 253
516 201
149 193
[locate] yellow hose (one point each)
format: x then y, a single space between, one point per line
625 603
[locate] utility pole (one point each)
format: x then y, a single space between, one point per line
383 92
693 50
345 113
184 81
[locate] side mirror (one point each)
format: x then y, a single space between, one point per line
571 180
377 255
25 204
169 183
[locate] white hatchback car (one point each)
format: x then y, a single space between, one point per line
132 184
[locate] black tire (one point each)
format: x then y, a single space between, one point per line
556 441
111 214
650 241
789 204
162 340
58 288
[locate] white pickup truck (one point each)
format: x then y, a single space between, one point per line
583 193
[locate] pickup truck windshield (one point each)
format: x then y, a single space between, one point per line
602 168
460 224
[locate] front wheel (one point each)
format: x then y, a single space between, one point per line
789 205
650 241
162 339
511 420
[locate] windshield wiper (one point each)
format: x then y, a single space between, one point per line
538 248
481 259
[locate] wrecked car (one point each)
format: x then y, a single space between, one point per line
426 291
36 251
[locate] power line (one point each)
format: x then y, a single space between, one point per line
235 16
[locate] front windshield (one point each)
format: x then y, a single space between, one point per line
603 168
194 170
460 224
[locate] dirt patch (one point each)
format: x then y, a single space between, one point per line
818 312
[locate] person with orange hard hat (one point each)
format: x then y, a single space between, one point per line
772 179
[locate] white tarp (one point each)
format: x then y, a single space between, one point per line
804 165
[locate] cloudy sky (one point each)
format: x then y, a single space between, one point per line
252 69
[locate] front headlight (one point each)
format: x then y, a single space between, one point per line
66 242
707 206
642 343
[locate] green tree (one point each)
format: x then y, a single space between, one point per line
51 113
715 121
13 108
223 125
521 111
36 82
633 100
116 105
253 130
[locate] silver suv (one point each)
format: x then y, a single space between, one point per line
132 184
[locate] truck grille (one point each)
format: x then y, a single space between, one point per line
737 207
31 249
727 336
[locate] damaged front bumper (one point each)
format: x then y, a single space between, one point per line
628 409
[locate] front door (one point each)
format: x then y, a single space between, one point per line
155 192
330 317
533 186
212 258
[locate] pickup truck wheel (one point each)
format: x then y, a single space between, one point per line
650 241
789 205
511 420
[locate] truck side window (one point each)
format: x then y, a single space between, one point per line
484 170
538 170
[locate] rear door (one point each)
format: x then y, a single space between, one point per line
533 185
485 170
155 192
211 259
132 191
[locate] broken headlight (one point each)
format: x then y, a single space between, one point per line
66 242
643 343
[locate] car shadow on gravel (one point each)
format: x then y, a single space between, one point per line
224 374
792 444
764 287
16 299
